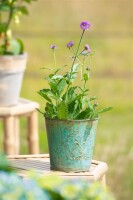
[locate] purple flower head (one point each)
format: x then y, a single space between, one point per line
53 46
85 25
70 44
87 48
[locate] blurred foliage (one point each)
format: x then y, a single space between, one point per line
4 164
47 188
73 189
11 10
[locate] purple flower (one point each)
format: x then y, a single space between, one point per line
53 46
85 25
70 44
87 48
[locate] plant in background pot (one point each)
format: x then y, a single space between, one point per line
12 56
71 114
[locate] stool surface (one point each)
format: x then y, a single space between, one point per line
41 164
24 106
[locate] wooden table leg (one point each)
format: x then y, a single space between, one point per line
9 135
33 133
103 180
16 136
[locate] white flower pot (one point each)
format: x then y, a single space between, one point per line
12 68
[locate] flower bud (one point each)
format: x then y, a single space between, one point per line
70 44
53 46
88 68
87 48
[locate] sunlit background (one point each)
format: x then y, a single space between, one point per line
111 36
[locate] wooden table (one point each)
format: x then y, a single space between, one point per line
10 116
41 164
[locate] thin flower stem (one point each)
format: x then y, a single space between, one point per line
7 26
54 59
82 72
80 53
73 51
77 50
84 85
75 57
81 75
82 67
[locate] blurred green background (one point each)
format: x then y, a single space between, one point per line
111 36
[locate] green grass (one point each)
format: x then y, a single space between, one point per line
111 74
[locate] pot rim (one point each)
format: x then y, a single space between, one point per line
72 120
23 55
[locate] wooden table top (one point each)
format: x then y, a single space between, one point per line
41 164
23 106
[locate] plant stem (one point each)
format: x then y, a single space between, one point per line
0 17
75 57
82 71
54 59
77 50
7 26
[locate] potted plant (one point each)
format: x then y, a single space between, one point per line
12 57
71 116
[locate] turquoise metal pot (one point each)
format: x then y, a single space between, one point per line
71 144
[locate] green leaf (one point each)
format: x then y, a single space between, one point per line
74 72
90 105
23 9
27 1
39 111
92 98
21 45
4 164
70 95
52 84
16 46
57 76
50 110
5 7
75 101
44 94
77 105
84 114
75 67
1 50
48 94
3 27
62 111
61 86
105 110
86 77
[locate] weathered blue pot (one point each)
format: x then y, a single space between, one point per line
71 144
